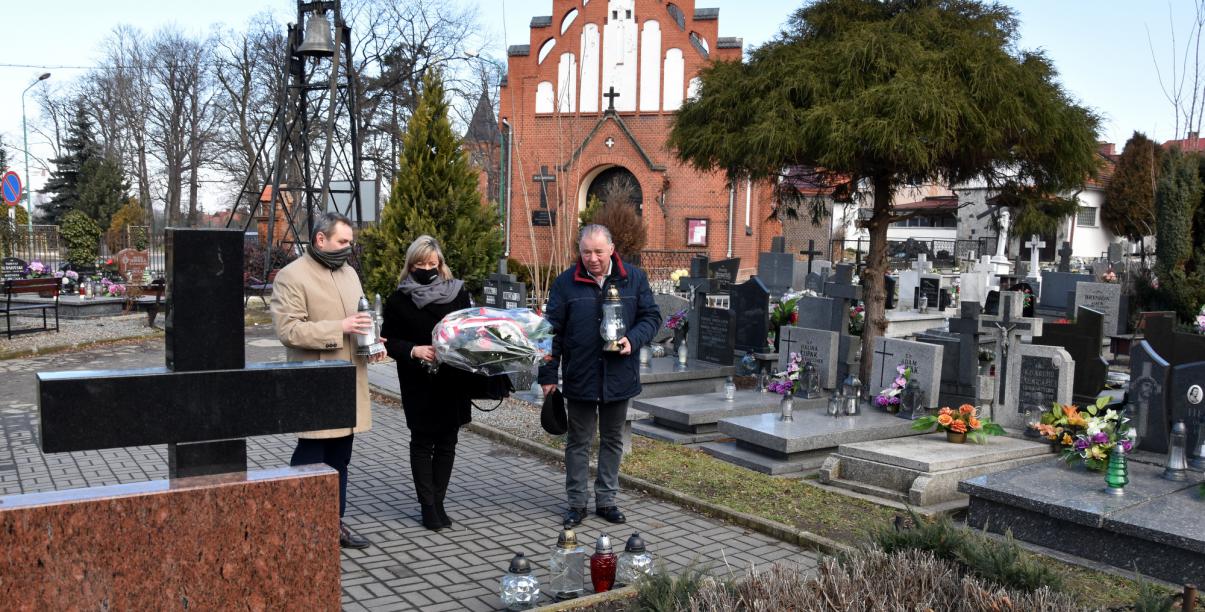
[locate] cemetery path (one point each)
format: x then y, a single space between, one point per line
502 501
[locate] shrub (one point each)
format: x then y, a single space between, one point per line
666 592
253 259
82 236
627 230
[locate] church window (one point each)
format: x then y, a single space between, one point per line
677 15
545 49
700 45
570 17
614 14
629 13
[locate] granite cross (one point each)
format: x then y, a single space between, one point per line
542 179
610 96
966 326
922 264
811 252
1065 257
842 290
1008 328
1035 243
208 399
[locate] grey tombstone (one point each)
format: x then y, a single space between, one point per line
816 312
1057 286
813 345
713 335
1038 376
668 305
1148 381
750 315
1114 254
723 274
1186 397
1082 340
842 290
11 268
816 279
777 272
924 359
1065 257
1176 347
1104 298
973 286
960 355
504 291
1007 328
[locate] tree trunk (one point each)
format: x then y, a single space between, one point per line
873 284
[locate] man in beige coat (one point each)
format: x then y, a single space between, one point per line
314 308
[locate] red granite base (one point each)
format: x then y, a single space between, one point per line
264 540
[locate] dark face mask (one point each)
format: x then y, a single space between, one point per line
331 259
424 277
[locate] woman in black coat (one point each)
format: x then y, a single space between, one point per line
436 405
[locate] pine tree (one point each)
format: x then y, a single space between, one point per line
103 189
1129 206
434 192
64 182
1176 200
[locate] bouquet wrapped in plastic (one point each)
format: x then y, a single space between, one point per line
492 340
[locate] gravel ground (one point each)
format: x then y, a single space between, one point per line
73 333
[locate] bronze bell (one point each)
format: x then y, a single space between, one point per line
318 41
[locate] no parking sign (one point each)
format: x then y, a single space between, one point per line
11 184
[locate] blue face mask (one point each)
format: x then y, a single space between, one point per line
424 277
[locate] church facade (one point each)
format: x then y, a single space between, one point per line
587 107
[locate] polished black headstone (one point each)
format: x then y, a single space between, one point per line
715 336
12 268
1148 388
204 327
504 291
1186 397
889 292
723 274
1177 347
1083 340
751 315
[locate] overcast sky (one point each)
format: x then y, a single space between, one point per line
1100 47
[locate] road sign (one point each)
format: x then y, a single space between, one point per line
11 184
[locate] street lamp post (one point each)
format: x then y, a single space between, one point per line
25 129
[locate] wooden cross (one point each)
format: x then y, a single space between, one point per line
208 399
1008 328
610 96
811 252
542 179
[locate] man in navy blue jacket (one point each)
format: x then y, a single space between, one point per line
598 385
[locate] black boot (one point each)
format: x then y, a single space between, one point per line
441 473
431 518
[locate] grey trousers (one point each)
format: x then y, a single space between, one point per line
610 417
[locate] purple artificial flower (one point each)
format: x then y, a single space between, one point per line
895 401
1100 437
1126 445
72 274
900 382
880 401
1081 444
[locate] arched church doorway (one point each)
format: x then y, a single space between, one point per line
616 184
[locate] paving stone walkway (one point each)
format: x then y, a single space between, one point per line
501 500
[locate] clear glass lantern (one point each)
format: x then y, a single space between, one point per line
683 356
613 327
851 395
646 355
809 379
912 400
1177 464
835 405
1196 458
520 589
567 567
1033 417
729 389
635 561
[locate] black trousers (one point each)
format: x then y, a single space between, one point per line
335 452
431 459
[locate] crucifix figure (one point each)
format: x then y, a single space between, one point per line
610 96
208 399
1007 327
542 179
1035 243
811 252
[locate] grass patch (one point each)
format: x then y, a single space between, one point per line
785 500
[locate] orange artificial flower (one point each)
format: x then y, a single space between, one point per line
1067 441
966 409
1070 410
975 424
945 420
945 410
958 427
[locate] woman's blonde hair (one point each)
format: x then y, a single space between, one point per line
421 249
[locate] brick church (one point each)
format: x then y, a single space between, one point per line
586 109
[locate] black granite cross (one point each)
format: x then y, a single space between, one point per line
542 179
1008 328
966 327
610 96
208 399
1065 257
811 252
842 290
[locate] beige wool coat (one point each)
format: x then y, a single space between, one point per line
309 303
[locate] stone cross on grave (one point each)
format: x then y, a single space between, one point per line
542 179
811 252
922 264
966 326
1065 257
1035 243
208 399
610 96
1007 328
842 290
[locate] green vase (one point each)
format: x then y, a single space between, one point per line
1116 474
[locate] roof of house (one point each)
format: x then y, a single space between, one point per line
933 203
484 126
1191 144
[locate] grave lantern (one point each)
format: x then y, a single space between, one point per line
1177 465
912 400
809 380
520 589
1033 417
612 327
683 356
729 389
646 355
1116 474
835 405
567 567
851 395
1197 456
368 344
602 565
635 561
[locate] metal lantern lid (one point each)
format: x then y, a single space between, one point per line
519 565
612 293
635 544
567 539
603 545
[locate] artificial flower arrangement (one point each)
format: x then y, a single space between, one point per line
857 320
1028 293
889 398
1088 435
965 420
676 321
787 383
1109 276
35 269
492 340
785 312
677 275
111 289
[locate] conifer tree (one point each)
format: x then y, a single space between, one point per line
434 192
103 189
1129 206
1176 201
64 182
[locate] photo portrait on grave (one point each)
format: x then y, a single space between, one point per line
599 385
436 401
310 301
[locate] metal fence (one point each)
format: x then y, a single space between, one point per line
129 238
659 264
942 252
48 247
